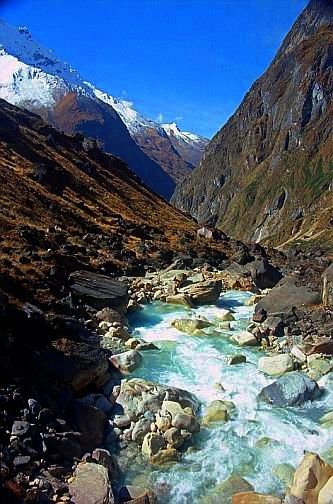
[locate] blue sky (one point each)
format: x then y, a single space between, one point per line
189 61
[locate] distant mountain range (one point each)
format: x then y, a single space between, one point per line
267 175
32 77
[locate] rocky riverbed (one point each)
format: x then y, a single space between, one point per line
170 385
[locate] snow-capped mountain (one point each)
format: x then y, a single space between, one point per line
31 76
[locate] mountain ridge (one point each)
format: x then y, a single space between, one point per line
34 78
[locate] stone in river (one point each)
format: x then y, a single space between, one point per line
276 365
326 493
245 338
217 411
310 478
204 292
285 473
225 490
293 389
189 326
236 359
164 456
98 291
186 422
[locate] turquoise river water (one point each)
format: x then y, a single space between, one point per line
233 447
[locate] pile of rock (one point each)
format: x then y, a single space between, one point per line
159 419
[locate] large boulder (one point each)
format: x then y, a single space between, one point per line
326 493
217 411
310 478
327 278
98 291
91 485
276 365
204 292
286 296
293 389
90 421
152 444
264 275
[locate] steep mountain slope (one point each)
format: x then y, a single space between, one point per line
65 205
267 174
32 77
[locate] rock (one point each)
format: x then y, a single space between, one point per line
310 478
106 459
21 462
276 365
205 233
152 443
173 408
254 498
121 421
322 345
109 315
245 338
236 359
285 296
164 456
141 428
90 421
98 291
186 422
173 438
34 406
298 354
20 428
319 364
263 274
204 292
134 494
327 289
132 343
285 473
189 326
217 411
291 390
126 362
163 420
118 332
326 493
91 485
223 492
328 417
273 326
253 300
137 396
259 316
225 316
99 401
180 299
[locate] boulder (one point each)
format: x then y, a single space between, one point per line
326 493
264 275
173 438
327 289
99 401
236 359
152 443
109 315
126 362
285 296
90 421
217 411
91 485
189 326
180 299
223 492
310 478
141 428
163 420
164 456
273 326
254 498
245 338
276 365
98 291
291 390
106 459
204 292
186 422
135 495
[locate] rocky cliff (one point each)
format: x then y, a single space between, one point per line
267 174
